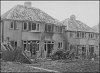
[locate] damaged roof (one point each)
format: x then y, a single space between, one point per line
96 28
75 25
21 12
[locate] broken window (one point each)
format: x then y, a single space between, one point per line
15 25
13 44
37 46
12 25
59 44
33 26
71 34
48 28
24 45
83 35
96 36
60 29
78 34
37 26
25 26
28 46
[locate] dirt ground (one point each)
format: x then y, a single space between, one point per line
59 66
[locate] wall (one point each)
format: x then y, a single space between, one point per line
11 33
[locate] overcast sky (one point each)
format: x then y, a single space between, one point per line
85 11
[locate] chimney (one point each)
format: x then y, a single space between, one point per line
27 4
72 17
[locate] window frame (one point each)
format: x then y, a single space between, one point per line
12 23
26 26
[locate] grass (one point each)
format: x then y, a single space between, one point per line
61 66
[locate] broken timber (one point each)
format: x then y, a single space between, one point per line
10 54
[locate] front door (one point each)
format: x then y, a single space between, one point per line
33 47
49 49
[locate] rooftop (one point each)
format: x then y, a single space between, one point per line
26 12
76 25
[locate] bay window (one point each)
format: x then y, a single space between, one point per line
13 25
33 26
25 26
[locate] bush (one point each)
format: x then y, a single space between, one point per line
15 55
57 55
8 55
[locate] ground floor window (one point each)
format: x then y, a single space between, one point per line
31 45
59 45
81 49
91 49
25 45
13 44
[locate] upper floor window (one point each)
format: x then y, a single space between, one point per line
78 34
33 26
13 25
48 28
96 35
83 35
25 26
71 34
37 26
59 29
30 26
91 35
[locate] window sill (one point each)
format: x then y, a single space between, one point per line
34 31
27 51
13 29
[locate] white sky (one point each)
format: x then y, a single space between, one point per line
85 11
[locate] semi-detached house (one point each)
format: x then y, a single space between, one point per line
80 37
32 30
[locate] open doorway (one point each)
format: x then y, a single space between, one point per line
49 49
49 45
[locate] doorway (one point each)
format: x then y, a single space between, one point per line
49 45
49 49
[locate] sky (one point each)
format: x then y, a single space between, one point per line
85 11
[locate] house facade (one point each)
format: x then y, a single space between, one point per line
80 37
31 29
40 35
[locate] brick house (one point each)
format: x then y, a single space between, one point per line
32 30
81 37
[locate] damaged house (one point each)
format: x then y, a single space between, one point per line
31 29
80 37
40 35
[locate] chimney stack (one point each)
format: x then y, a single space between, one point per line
27 4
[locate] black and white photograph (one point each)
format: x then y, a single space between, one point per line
49 36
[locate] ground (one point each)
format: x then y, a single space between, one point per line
52 66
